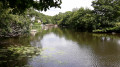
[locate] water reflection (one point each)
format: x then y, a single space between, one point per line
67 48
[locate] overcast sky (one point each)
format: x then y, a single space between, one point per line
68 5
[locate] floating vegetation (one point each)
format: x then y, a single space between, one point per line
106 35
15 54
24 51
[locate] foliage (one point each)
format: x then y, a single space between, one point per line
116 28
14 19
109 9
82 19
103 18
38 16
21 5
17 24
12 25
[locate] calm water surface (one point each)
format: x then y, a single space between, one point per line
66 48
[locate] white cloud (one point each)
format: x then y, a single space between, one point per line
68 5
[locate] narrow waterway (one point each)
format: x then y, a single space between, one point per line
66 48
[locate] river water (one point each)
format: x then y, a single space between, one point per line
66 48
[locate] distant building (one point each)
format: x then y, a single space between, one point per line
39 21
33 19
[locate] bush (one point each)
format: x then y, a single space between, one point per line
12 24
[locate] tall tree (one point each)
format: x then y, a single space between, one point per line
109 9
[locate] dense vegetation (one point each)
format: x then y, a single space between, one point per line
104 18
19 6
16 15
12 24
16 19
39 16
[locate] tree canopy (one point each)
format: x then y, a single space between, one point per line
22 5
110 9
104 18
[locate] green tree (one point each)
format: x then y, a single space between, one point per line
65 20
22 5
108 9
12 25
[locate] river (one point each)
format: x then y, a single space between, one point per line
65 48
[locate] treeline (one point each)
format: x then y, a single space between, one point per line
16 15
16 19
45 19
104 18
15 24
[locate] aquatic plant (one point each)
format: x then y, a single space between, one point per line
27 51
